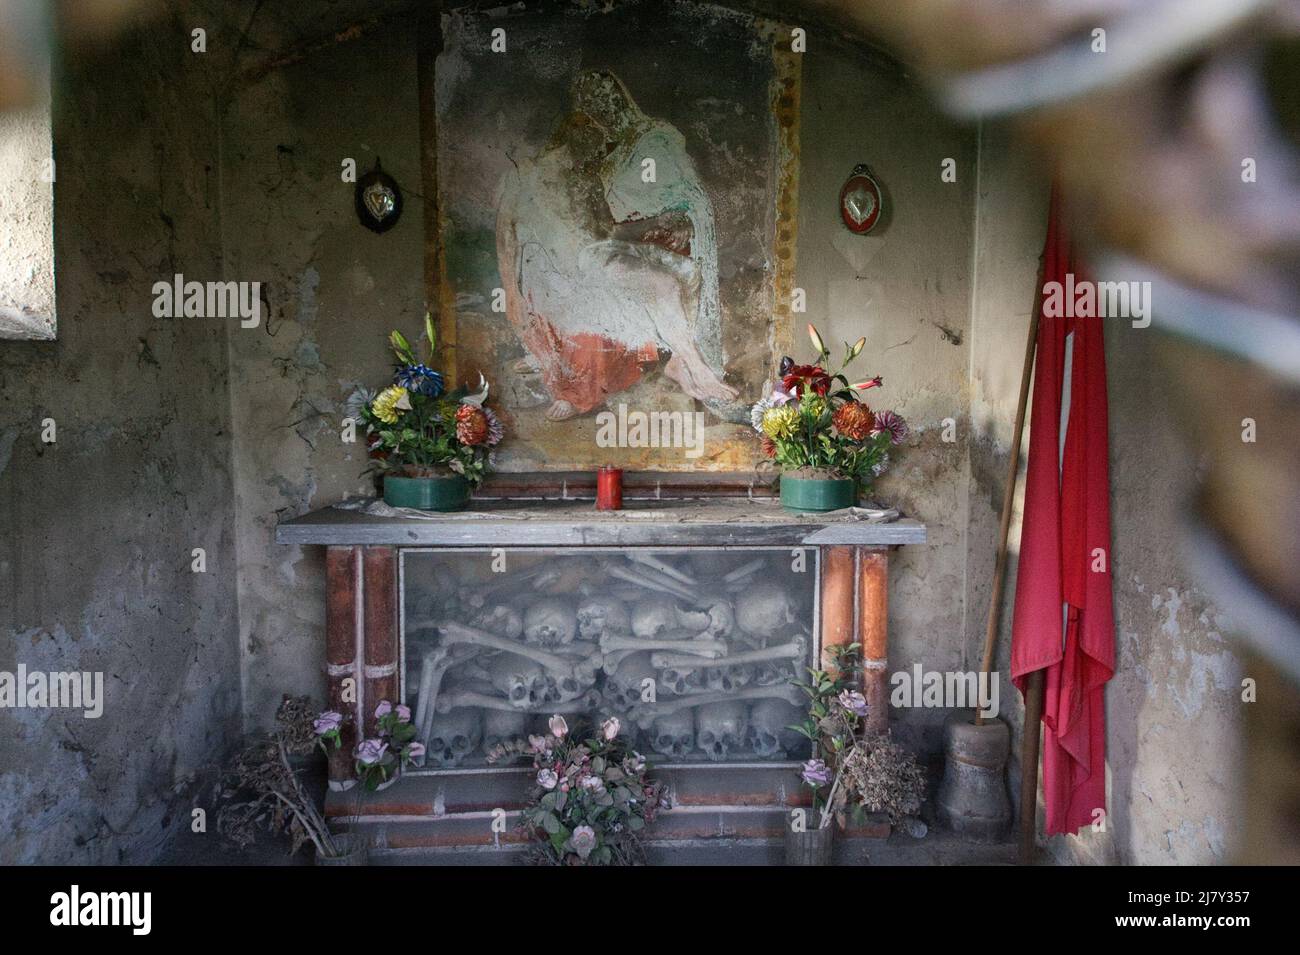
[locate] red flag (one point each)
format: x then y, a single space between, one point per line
1063 620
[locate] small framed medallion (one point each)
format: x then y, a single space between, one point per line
379 200
860 201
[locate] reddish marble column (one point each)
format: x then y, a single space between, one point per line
381 638
873 634
839 584
342 654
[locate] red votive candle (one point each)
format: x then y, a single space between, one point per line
609 488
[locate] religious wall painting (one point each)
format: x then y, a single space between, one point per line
610 243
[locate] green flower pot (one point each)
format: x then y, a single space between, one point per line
817 494
449 493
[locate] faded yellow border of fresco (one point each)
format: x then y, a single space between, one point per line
787 90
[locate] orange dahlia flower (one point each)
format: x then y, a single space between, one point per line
854 420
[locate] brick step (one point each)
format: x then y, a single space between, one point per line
460 791
457 808
687 823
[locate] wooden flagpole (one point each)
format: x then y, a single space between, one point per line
1034 688
1008 502
1030 733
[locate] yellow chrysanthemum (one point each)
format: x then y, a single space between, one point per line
780 422
390 403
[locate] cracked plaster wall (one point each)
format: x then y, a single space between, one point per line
1173 708
97 528
335 290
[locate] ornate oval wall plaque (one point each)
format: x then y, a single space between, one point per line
379 200
860 202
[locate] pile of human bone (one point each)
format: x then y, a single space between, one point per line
694 652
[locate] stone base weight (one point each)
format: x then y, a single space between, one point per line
973 795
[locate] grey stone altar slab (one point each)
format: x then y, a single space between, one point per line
556 523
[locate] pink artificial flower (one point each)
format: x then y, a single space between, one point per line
583 841
327 722
371 751
892 422
781 395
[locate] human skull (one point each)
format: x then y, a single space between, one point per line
550 622
716 619
623 687
500 619
562 687
720 728
502 726
673 734
520 680
679 682
773 672
769 735
598 615
728 679
453 736
765 610
655 618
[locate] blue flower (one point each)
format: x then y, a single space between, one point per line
421 379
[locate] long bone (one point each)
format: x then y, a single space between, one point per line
795 649
617 646
744 570
645 577
433 668
654 563
685 592
458 698
646 713
709 649
453 633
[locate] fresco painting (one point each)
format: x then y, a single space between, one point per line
609 244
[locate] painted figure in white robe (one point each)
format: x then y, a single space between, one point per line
609 260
